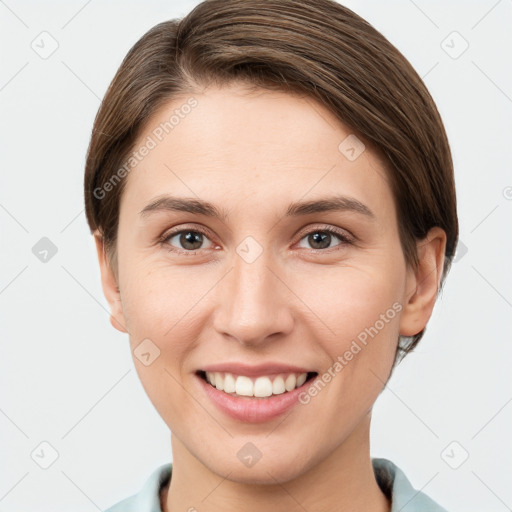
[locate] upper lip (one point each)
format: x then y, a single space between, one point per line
269 368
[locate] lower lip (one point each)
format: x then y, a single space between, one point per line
253 410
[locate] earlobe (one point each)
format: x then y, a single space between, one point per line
110 286
422 284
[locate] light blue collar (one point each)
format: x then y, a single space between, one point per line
391 479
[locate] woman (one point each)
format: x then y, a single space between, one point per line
271 192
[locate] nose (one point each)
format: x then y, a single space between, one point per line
254 302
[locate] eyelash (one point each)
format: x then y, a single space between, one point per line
164 239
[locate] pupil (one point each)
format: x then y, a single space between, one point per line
321 238
188 238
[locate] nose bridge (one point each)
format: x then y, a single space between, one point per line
254 303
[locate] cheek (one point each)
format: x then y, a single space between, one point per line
348 300
159 307
156 299
358 312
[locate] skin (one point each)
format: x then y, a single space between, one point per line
253 153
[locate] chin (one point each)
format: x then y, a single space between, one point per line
277 468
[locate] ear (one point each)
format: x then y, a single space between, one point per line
109 285
423 284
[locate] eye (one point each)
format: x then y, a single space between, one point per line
320 239
188 240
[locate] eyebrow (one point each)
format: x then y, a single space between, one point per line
201 207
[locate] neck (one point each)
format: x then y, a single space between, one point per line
343 481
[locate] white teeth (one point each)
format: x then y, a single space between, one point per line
262 387
244 386
290 382
259 387
278 385
229 383
301 379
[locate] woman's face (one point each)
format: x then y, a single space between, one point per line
263 283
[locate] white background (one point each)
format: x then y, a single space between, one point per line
66 376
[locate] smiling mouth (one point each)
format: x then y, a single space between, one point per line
256 387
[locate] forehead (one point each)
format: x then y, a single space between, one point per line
244 146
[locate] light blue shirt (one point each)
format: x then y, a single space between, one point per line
391 479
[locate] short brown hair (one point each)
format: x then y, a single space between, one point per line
317 48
